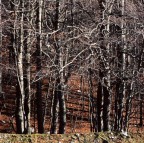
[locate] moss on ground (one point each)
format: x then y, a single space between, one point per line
107 137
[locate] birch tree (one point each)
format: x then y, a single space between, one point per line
19 47
27 72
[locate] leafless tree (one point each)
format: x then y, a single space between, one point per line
47 43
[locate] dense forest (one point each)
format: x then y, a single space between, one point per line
68 65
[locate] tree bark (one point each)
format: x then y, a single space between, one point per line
0 47
27 70
107 82
40 116
20 115
141 110
61 96
121 81
60 81
11 48
55 109
104 94
93 120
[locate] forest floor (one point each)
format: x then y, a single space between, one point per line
106 137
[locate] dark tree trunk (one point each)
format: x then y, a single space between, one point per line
99 107
121 82
55 108
100 86
19 112
0 47
92 114
11 48
141 110
119 94
106 109
104 68
116 110
62 110
40 116
120 106
59 85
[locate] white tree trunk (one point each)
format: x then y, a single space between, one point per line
27 68
20 87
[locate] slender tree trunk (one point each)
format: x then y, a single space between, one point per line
123 95
141 110
116 109
61 97
20 115
93 120
27 91
100 86
121 82
11 49
119 91
107 89
40 116
141 64
62 114
27 72
57 90
120 95
60 81
55 109
61 86
99 107
104 95
0 46
130 90
128 107
58 105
